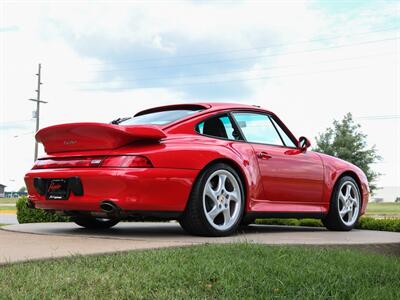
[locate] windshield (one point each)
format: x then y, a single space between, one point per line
159 118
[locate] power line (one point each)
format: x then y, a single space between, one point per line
235 71
221 81
249 58
383 117
250 48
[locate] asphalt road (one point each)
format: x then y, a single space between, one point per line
8 218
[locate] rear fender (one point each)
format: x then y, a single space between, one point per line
199 155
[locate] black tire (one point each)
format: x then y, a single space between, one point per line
194 219
333 221
246 221
90 222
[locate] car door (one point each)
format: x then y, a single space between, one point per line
289 174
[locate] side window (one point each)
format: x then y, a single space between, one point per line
286 139
258 128
219 126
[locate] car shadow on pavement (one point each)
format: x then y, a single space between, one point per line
160 230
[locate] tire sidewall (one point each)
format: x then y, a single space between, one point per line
198 197
335 203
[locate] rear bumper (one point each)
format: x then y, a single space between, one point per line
139 189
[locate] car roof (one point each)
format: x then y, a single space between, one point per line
209 106
205 108
226 105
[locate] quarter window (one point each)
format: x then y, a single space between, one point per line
220 127
258 128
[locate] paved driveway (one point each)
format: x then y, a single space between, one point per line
47 240
16 247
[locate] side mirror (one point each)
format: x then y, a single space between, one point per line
303 143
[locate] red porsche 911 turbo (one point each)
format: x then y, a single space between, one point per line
211 166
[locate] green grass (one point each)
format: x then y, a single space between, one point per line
8 208
237 271
8 200
383 209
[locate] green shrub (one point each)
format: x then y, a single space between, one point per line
291 222
311 222
389 224
29 215
367 223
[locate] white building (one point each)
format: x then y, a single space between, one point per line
2 186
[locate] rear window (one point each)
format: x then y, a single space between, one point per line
160 117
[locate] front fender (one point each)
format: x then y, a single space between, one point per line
334 169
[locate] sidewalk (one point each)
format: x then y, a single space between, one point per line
17 247
48 240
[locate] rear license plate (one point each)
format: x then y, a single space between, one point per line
57 189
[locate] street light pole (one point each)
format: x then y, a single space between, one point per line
38 101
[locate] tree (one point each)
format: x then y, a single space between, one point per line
22 190
345 140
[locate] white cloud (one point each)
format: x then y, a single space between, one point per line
226 21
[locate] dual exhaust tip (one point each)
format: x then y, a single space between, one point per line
107 207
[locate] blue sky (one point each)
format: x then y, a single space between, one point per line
102 60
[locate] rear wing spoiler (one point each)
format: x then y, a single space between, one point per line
94 136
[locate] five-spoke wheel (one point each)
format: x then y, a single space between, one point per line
349 203
345 205
222 199
216 205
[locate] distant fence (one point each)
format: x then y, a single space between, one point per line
14 194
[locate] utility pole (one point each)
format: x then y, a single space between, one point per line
37 113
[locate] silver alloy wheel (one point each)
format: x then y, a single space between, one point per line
348 203
222 199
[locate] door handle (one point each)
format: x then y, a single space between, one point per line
263 155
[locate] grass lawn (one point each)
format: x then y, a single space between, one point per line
239 271
8 200
383 209
7 208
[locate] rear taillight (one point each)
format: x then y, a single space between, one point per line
80 162
117 161
126 161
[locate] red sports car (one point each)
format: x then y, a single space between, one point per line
211 166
